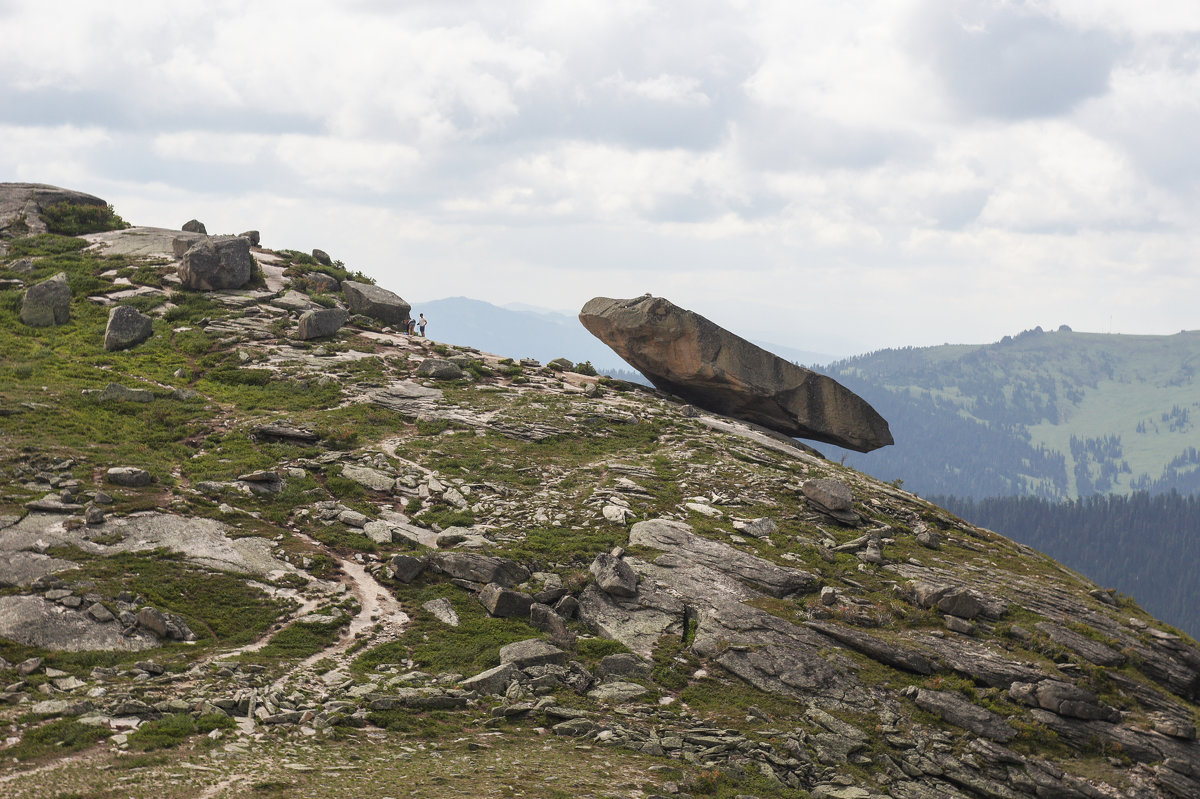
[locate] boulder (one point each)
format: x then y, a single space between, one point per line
532 652
128 476
439 369
48 303
222 262
614 575
321 323
127 327
253 236
194 226
406 568
685 354
442 610
376 303
478 568
321 283
505 602
322 257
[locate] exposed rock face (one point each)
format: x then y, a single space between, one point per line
682 352
21 205
376 302
48 303
217 263
127 327
321 323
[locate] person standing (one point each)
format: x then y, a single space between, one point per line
421 324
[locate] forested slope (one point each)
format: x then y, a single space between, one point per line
1056 415
1144 545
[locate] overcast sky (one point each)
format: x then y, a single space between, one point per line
836 177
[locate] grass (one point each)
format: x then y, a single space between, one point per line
56 738
468 649
298 641
221 608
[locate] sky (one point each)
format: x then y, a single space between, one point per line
836 177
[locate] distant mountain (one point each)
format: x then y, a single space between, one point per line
519 330
1056 415
516 334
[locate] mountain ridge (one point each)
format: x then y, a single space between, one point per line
237 561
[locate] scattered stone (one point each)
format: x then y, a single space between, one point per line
48 303
127 327
130 476
493 681
477 568
442 610
367 477
405 568
759 528
505 602
115 392
532 652
833 498
617 691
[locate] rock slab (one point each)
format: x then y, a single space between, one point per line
685 354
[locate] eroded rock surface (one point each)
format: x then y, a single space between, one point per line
683 353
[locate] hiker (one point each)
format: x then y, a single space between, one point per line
410 327
421 324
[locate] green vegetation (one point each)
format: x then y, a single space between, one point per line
470 648
56 738
72 219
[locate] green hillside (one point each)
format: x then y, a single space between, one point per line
1056 414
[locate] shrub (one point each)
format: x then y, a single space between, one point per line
70 219
585 368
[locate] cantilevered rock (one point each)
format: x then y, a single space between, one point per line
687 355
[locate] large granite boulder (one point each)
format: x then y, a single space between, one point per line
48 303
127 327
21 205
683 353
321 323
376 303
218 262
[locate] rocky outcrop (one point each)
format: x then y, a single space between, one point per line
683 353
377 303
48 303
127 327
21 205
222 262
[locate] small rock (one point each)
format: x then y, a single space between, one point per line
130 476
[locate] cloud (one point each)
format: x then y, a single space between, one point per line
1012 60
